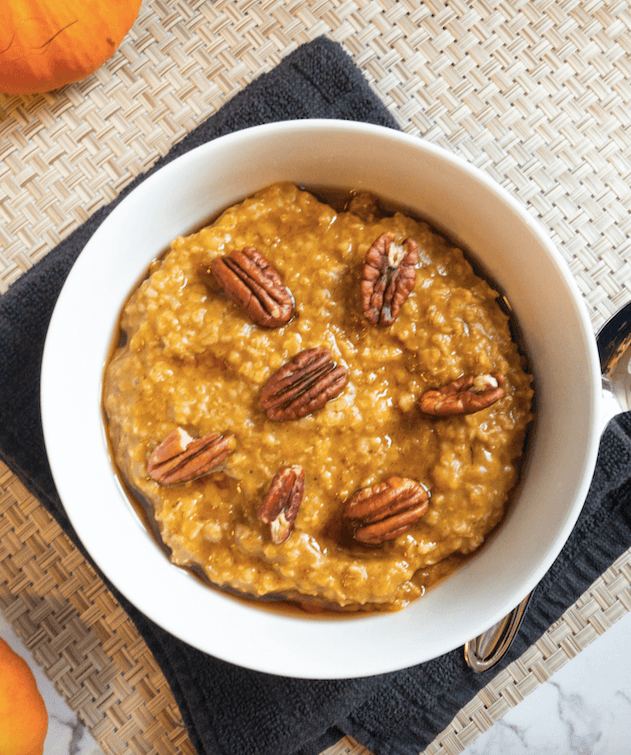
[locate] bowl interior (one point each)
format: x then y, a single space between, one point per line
455 198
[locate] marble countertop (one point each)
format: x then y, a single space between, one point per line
585 708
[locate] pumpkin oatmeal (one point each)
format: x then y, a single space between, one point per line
318 405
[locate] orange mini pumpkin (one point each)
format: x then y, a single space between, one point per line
23 716
45 44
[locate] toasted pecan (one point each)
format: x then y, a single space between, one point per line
386 510
303 385
388 278
180 458
280 506
467 395
251 282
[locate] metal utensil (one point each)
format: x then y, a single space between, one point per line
614 349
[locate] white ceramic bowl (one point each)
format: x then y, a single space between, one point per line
456 198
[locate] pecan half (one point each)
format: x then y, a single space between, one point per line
280 506
386 510
388 277
466 395
303 385
180 458
252 283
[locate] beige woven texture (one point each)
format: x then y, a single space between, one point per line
535 93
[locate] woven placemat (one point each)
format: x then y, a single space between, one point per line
536 93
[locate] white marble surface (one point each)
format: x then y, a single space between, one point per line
66 734
584 709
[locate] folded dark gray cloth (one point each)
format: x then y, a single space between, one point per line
230 710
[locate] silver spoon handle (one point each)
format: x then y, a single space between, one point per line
611 404
483 652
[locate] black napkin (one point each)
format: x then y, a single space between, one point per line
229 710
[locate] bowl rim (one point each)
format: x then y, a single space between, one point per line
131 586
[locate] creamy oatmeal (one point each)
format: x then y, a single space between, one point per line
193 361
